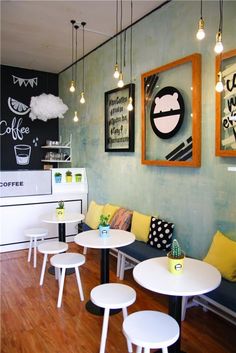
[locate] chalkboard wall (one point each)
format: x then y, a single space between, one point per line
22 138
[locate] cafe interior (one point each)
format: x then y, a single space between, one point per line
118 176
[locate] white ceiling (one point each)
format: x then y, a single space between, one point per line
37 34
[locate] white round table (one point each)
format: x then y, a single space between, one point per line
91 239
198 277
68 218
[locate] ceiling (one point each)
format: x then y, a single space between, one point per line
37 34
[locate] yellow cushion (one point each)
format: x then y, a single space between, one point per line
222 255
140 226
92 218
109 210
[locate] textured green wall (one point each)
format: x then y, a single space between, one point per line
198 200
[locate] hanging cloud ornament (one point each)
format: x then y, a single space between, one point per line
47 106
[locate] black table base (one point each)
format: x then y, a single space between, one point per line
96 310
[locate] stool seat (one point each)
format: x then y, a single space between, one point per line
53 247
34 234
151 329
68 260
112 296
50 248
64 261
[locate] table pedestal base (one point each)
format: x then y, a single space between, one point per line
96 310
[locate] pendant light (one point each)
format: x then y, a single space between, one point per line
201 33
76 119
130 101
219 85
121 82
116 72
219 46
82 99
72 82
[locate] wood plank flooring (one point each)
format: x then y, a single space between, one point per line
31 322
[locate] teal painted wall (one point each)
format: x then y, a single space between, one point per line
198 200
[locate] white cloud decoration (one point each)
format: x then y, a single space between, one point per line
47 106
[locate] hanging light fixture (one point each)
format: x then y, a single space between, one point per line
130 101
219 46
76 119
201 33
219 85
116 72
82 99
121 82
72 82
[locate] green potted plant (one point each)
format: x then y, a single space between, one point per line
78 177
57 177
104 226
175 258
60 210
68 176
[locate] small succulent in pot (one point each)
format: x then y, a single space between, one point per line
104 220
68 173
60 205
176 251
175 258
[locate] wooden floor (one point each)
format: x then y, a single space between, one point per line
31 322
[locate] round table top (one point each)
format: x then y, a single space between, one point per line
69 217
198 277
116 239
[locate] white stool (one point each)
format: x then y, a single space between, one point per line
34 234
50 248
64 261
112 296
151 329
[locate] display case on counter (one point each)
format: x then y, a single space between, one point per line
26 196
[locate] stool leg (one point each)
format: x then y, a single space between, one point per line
104 330
30 249
164 350
118 265
147 350
61 287
35 252
129 345
43 269
139 349
79 284
122 267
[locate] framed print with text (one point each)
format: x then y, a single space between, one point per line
171 114
119 121
226 105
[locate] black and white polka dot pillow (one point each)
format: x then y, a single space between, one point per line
160 234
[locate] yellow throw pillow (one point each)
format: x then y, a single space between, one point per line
140 226
109 210
222 255
92 218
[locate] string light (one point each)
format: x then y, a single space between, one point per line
219 85
219 45
201 33
72 83
76 119
116 72
130 100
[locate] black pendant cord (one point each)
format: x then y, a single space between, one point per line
76 51
221 16
83 24
121 20
131 44
72 48
201 11
116 32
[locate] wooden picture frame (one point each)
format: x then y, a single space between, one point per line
175 138
119 122
225 128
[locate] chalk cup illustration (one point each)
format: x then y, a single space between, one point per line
22 154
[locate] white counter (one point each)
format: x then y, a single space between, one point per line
22 212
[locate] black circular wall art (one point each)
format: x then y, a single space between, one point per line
167 112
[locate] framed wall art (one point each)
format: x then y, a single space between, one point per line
119 121
171 114
225 128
